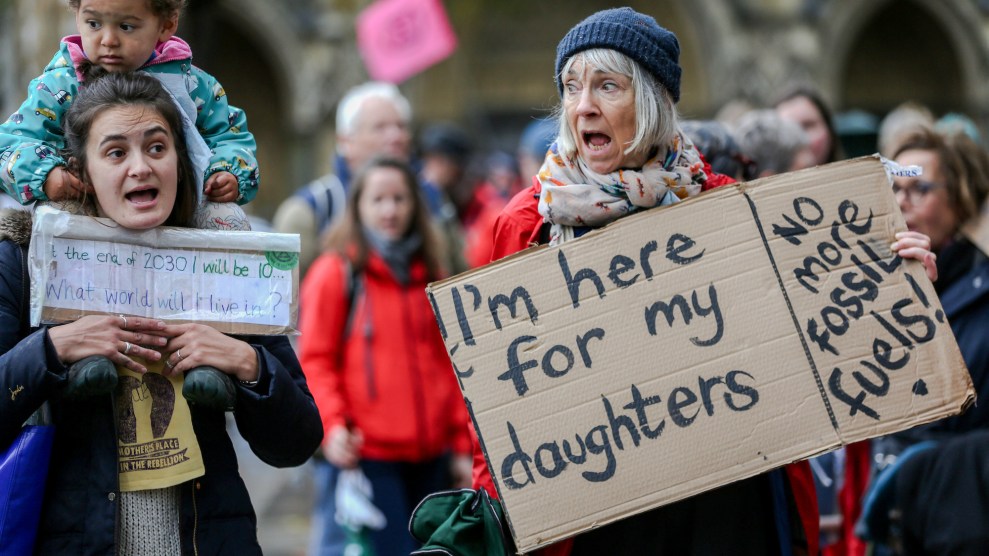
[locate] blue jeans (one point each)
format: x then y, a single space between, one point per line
398 487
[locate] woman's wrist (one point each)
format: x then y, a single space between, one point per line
250 371
54 334
52 355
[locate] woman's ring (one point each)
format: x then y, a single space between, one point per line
123 318
169 364
126 348
178 355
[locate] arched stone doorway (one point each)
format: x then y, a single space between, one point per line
222 46
879 54
903 53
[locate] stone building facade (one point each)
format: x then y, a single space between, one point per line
287 62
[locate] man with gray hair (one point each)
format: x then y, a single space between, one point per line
773 144
372 119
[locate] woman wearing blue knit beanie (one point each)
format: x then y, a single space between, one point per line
619 150
618 75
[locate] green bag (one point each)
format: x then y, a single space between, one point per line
358 541
463 522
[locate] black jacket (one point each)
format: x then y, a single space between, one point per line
963 288
277 417
965 300
941 495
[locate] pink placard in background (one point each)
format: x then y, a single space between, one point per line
400 38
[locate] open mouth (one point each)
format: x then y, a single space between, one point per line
142 196
595 140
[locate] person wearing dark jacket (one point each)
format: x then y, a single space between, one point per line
124 138
945 482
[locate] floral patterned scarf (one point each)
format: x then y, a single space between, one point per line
573 195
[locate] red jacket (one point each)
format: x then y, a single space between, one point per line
390 376
478 221
858 463
517 228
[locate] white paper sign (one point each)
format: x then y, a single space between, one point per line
238 282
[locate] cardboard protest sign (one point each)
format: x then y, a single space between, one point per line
690 346
237 282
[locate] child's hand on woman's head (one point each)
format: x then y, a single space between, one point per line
221 187
118 338
917 246
61 185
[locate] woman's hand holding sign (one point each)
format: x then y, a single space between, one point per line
915 245
197 345
118 338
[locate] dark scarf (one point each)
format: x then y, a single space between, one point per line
397 254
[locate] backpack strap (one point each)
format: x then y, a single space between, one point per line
355 287
327 198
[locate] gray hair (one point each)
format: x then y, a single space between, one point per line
902 121
656 118
350 105
771 142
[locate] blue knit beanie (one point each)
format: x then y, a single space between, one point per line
635 35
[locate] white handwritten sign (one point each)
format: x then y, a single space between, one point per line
238 282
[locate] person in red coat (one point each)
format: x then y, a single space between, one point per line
620 150
375 360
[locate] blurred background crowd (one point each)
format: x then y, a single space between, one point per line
866 58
